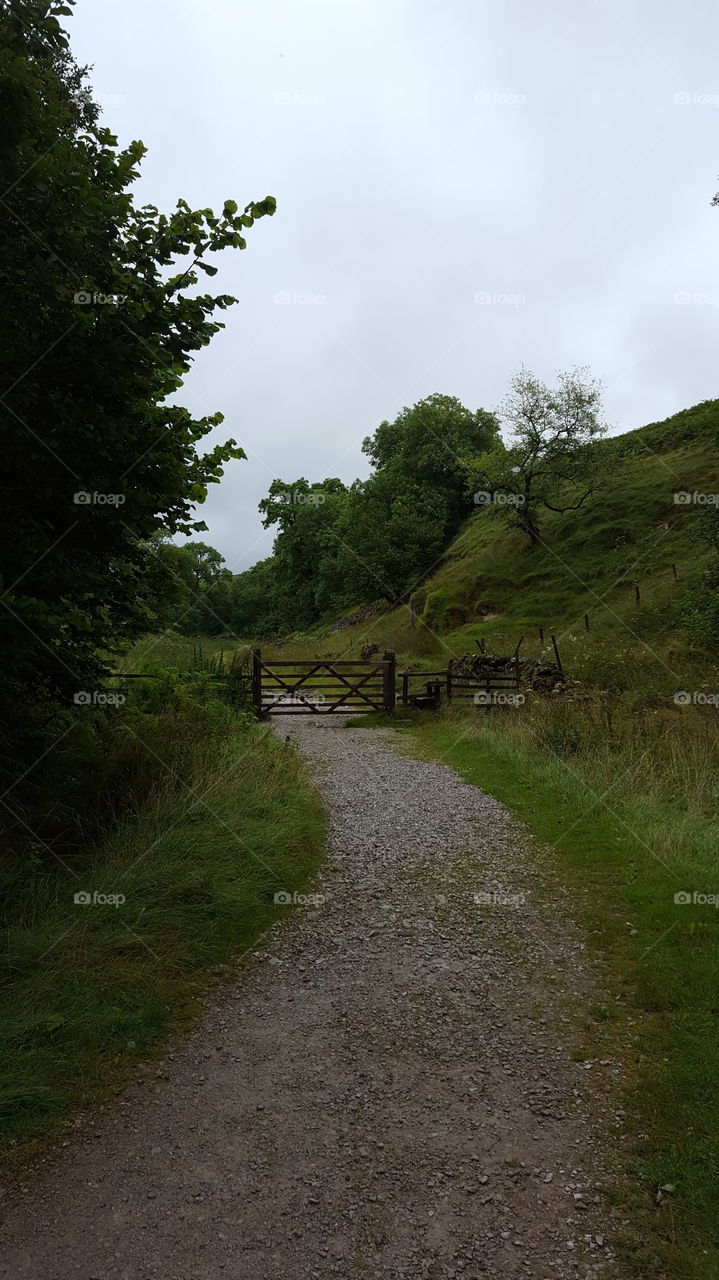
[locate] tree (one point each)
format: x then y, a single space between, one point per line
305 549
389 537
401 519
253 601
189 589
425 446
548 464
337 547
100 326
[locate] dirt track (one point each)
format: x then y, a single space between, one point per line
387 1089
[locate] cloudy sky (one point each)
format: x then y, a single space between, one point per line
462 186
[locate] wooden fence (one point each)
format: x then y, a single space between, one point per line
458 682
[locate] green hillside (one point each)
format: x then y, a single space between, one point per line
632 534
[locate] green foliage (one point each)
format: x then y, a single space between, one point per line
96 774
100 327
491 586
336 547
547 465
188 588
214 816
304 581
701 601
441 613
630 532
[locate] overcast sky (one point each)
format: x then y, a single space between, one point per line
462 186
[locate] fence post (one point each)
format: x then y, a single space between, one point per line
405 688
388 680
257 681
517 668
449 680
434 693
555 646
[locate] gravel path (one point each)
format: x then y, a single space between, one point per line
386 1090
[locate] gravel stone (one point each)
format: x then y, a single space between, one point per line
387 1080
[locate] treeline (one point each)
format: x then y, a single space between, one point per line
102 318
338 545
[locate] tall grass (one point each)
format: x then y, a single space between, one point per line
182 653
215 816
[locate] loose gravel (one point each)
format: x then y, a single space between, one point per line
386 1089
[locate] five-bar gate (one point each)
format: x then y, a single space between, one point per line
318 686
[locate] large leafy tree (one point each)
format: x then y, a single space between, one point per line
337 547
254 602
188 589
306 547
101 320
548 465
403 517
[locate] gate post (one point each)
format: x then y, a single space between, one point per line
388 679
257 681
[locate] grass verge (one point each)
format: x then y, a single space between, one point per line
91 987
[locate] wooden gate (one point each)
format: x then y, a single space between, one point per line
318 686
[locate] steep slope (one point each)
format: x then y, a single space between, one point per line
624 558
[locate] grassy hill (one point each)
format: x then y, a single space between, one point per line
492 583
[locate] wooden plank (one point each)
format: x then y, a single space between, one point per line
421 675
333 678
326 662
